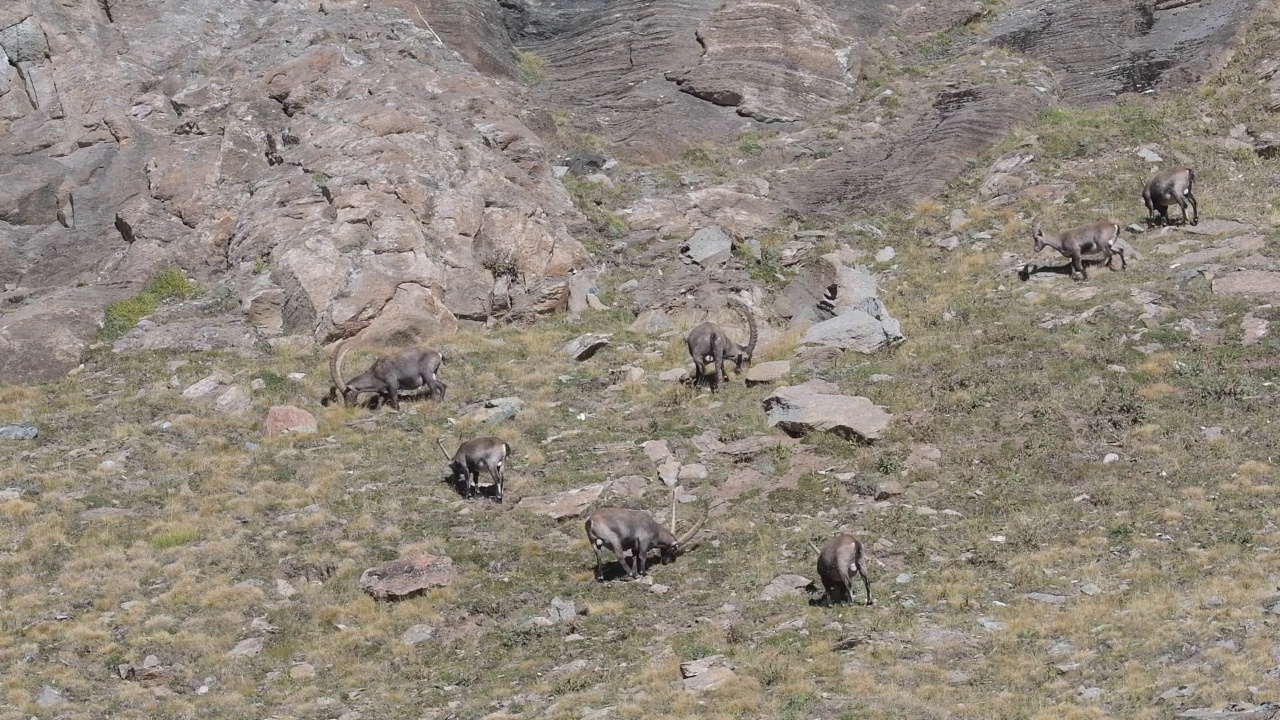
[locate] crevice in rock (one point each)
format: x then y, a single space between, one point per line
106 9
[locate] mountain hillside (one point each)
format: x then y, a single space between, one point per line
1065 487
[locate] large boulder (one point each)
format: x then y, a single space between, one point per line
800 409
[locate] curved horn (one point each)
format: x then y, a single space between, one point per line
447 456
751 324
673 511
335 365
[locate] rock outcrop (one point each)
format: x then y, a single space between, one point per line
378 177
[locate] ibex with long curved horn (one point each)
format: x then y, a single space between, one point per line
838 561
710 345
620 530
477 455
387 376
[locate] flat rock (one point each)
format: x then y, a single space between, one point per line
694 668
407 577
798 410
950 242
710 680
1047 598
1252 283
1254 329
651 322
1235 711
247 648
584 346
1217 227
855 330
571 503
417 635
707 442
657 450
629 486
563 610
288 420
204 386
889 489
768 372
233 401
493 411
19 432
302 671
693 471
669 472
789 585
708 246
673 375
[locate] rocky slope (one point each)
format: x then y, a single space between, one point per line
335 168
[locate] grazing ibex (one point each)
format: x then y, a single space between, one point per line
387 376
709 345
474 456
1098 237
841 556
621 530
1166 188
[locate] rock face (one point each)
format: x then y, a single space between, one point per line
961 124
1152 45
799 409
773 60
407 577
843 302
382 181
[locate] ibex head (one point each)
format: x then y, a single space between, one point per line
1038 234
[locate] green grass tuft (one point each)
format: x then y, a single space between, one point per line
121 316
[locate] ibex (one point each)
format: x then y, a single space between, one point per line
1167 188
841 556
387 376
621 530
1098 237
474 456
709 345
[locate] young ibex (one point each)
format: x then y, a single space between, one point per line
1098 237
387 376
709 345
474 456
621 530
841 556
1166 188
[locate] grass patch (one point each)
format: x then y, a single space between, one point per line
122 315
533 67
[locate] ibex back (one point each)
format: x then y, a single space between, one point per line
710 345
475 456
1100 237
1164 189
838 561
620 530
387 376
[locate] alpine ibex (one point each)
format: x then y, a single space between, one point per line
1166 188
621 530
710 345
1098 237
841 556
474 456
387 376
